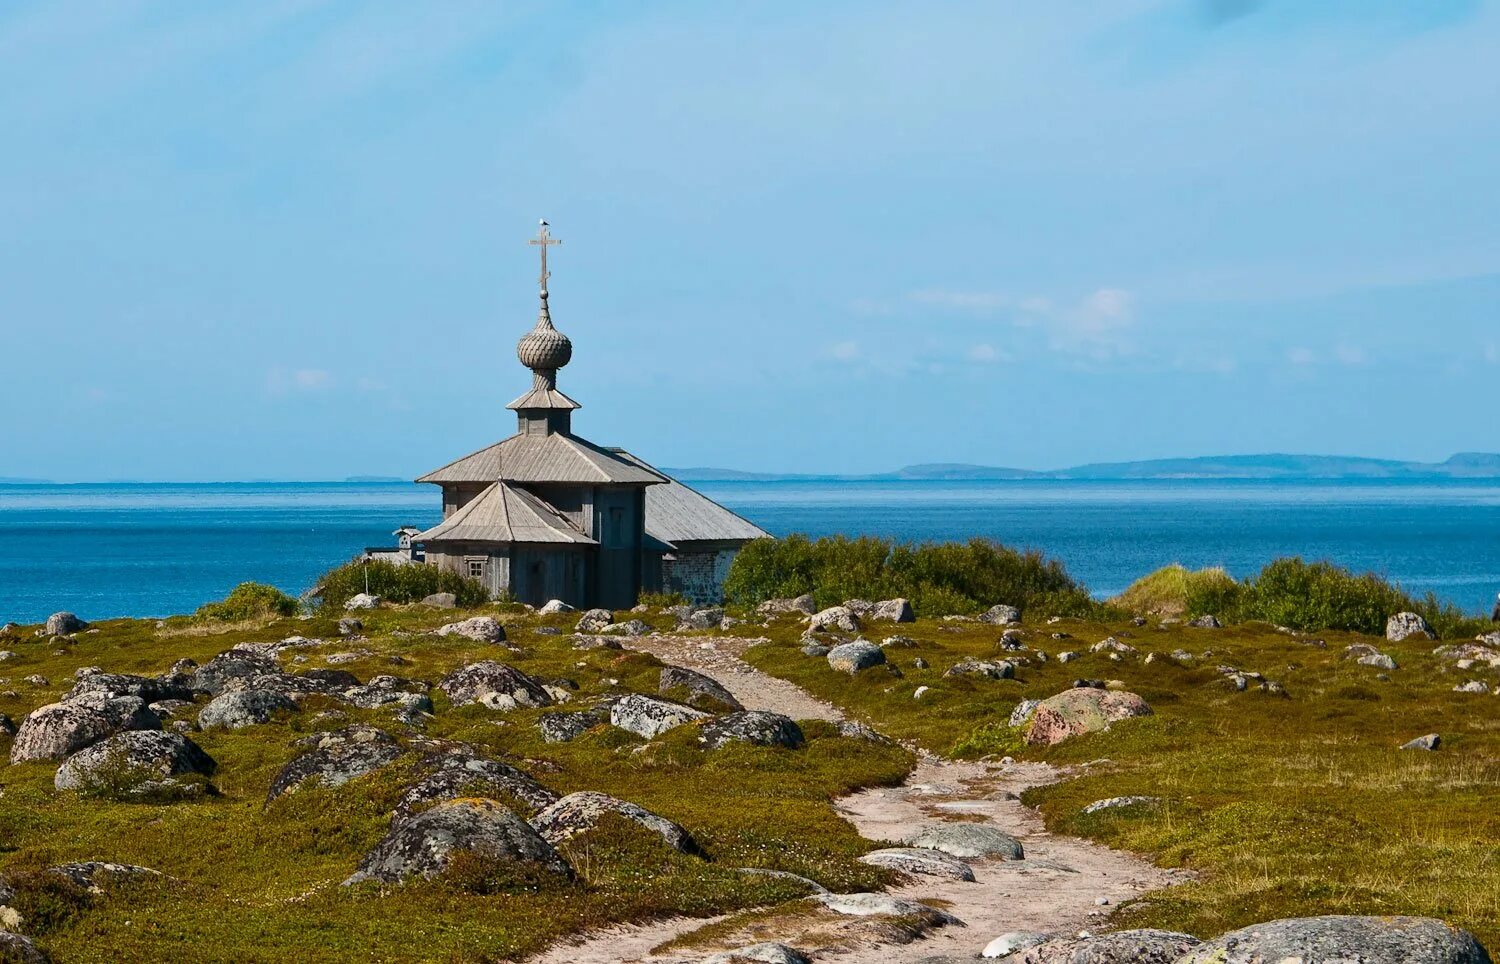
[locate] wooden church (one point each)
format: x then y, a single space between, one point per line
546 514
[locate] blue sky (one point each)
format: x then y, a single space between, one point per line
287 239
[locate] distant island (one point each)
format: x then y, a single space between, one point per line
1465 465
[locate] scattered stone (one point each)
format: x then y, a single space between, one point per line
579 813
759 727
212 677
893 611
768 952
1001 615
563 727
94 875
17 949
859 731
121 684
362 600
594 620
336 757
57 730
481 629
696 690
1429 742
459 771
919 860
1119 803
36 679
1182 655
815 648
776 607
1404 625
648 717
1067 656
137 763
884 905
840 618
424 843
1077 711
7 725
407 696
1111 645
63 624
1378 660
495 685
709 618
968 840
852 657
1023 711
1121 947
349 626
238 709
969 666
919 663
631 627
1013 941
440 600
1206 622
1472 686
1338 938
587 643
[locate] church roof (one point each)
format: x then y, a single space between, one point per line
676 513
504 513
539 459
544 398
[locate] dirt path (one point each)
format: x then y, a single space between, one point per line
1055 889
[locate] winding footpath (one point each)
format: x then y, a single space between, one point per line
1057 888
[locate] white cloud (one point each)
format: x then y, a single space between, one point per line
1301 356
986 353
1351 355
281 381
845 350
1098 327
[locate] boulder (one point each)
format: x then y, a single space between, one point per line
1001 615
968 840
884 905
330 680
1377 660
407 697
852 657
649 717
969 666
579 813
554 606
57 730
1206 622
63 624
362 600
1021 715
586 643
1121 947
440 600
1326 940
918 860
840 618
7 725
238 709
706 618
859 607
495 685
137 763
696 690
594 620
752 726
1472 686
213 676
815 648
423 844
1012 941
893 611
766 952
458 771
1403 625
95 875
1429 742
630 627
349 625
563 727
1120 803
334 758
17 949
123 684
481 629
1081 710
775 607
1111 645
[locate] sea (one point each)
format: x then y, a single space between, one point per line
107 550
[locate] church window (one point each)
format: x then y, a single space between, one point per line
476 568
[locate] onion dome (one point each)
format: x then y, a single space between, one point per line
544 348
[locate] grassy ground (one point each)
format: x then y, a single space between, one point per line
1287 806
257 883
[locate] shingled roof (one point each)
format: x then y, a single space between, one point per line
505 513
676 513
545 458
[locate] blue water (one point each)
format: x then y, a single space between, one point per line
150 550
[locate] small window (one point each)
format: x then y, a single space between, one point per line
476 568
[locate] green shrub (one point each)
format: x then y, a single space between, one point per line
247 601
397 583
939 579
662 600
1178 591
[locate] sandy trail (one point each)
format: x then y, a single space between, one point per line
1055 889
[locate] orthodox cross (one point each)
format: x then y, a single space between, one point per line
542 239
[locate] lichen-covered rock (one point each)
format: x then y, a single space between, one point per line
123 684
752 726
893 611
1404 625
95 875
1012 941
701 618
1338 939
495 685
214 675
19 949
968 840
588 643
1144 946
1206 622
840 618
1111 645
649 717
919 860
336 757
1472 686
989 669
137 763
884 905
1121 803
1081 710
1429 742
554 606
766 952
481 629
350 625
423 844
594 620
238 709
440 600
579 813
1021 715
63 624
852 657
458 771
564 727
362 600
777 607
57 730
1001 615
330 680
406 696
630 627
696 690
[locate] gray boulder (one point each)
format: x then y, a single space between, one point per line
495 685
919 860
1377 660
63 624
752 726
766 952
137 763
1001 615
630 627
95 875
1012 941
1121 803
969 666
579 813
18 949
241 708
1206 622
968 840
776 607
440 600
649 717
1121 947
594 620
840 618
123 684
564 727
1021 715
1404 625
349 626
1429 742
214 675
423 844
554 606
57 730
893 611
458 771
1341 939
852 657
407 697
1472 686
481 629
707 618
334 758
885 905
362 600
696 690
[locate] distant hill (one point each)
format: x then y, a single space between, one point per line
1465 465
13 480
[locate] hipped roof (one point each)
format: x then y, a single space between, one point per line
676 513
538 459
505 513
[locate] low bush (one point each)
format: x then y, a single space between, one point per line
1176 590
248 601
939 579
397 583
